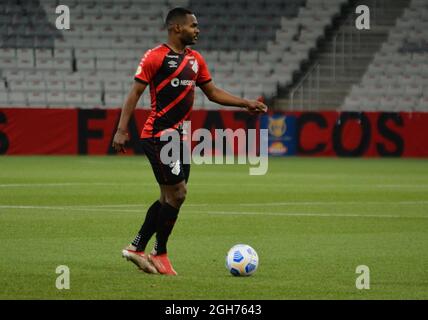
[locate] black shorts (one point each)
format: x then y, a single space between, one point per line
173 172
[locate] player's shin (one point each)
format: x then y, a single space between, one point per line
148 228
166 221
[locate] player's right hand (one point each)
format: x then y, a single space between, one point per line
119 141
256 107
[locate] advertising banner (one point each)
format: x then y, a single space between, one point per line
282 133
26 131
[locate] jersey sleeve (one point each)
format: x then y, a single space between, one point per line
204 75
149 65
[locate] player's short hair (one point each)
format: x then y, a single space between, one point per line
176 15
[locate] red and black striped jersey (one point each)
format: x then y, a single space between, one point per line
172 78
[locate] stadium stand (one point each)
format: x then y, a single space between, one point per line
397 78
253 47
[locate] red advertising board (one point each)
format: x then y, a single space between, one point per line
369 134
90 131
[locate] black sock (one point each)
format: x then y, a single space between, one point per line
166 220
148 228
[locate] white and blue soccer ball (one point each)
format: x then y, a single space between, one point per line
242 260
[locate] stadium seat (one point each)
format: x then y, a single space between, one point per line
4 99
352 103
53 75
62 53
401 63
91 99
370 103
387 79
263 68
105 64
14 75
199 100
72 85
210 105
387 103
253 90
37 98
407 103
108 38
228 56
7 53
422 104
91 85
55 98
18 85
25 54
121 64
113 86
379 89
396 90
25 64
85 64
414 90
43 53
17 98
73 98
55 85
62 64
8 63
144 101
44 64
37 85
248 56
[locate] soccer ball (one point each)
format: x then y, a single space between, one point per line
242 260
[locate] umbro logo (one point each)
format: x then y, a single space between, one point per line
172 64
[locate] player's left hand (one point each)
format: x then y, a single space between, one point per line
119 140
256 107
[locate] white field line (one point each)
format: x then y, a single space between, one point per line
66 184
402 185
329 203
98 162
265 185
287 214
67 208
247 204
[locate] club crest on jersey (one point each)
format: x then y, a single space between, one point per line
172 64
139 69
195 66
175 167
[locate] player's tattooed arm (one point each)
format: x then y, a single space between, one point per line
128 108
224 98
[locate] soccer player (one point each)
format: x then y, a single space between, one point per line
171 70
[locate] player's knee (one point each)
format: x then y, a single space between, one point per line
177 196
180 195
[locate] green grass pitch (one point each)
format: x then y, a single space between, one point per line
312 222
